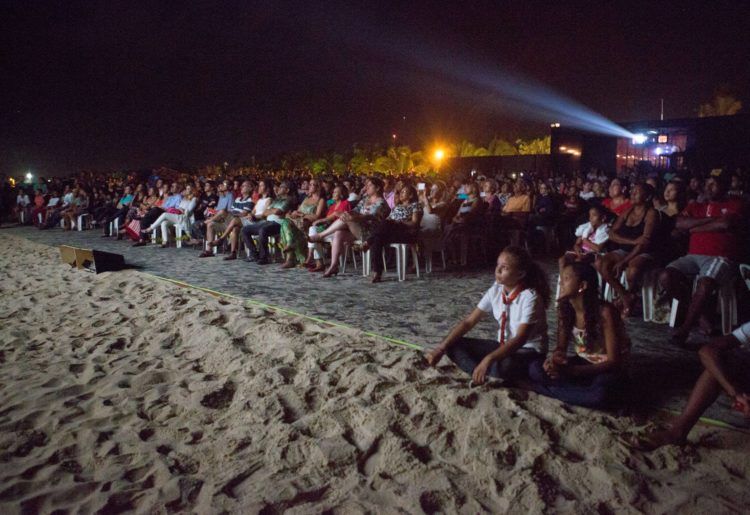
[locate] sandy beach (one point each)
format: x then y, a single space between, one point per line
122 392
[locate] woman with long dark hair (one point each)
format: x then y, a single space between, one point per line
595 375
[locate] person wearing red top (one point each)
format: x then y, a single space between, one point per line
712 253
617 202
39 208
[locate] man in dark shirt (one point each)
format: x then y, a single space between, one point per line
205 208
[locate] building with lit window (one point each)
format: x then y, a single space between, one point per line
696 144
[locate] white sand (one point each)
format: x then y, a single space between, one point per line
121 391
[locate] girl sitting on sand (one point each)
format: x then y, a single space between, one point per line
517 300
593 376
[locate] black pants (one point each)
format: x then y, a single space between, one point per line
102 213
385 233
53 218
264 229
596 391
119 214
467 353
198 230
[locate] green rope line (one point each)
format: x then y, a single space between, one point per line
287 311
710 421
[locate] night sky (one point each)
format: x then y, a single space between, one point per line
139 84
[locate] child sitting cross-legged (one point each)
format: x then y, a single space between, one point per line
517 300
595 375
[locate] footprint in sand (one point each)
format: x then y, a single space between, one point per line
190 489
221 398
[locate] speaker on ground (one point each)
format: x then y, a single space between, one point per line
96 261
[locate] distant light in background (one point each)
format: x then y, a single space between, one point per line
639 139
29 176
439 154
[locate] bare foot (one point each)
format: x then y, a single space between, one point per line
652 441
377 278
627 302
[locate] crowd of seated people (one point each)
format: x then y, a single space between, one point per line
690 232
687 229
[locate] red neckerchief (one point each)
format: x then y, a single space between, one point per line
506 301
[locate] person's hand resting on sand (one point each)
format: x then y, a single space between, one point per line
434 356
480 372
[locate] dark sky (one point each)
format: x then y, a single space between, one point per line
105 84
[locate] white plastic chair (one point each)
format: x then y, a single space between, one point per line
83 219
745 274
431 244
184 225
344 259
114 227
402 253
366 268
727 305
648 290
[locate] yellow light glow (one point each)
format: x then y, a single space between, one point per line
439 154
563 148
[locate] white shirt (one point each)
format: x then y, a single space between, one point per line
261 206
527 308
600 236
586 195
742 333
23 200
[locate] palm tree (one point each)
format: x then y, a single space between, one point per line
534 146
468 149
723 104
501 147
